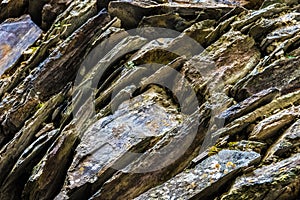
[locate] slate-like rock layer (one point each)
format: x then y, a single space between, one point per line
99 104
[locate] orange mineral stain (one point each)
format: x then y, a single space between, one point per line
4 54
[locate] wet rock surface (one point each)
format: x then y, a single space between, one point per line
134 127
209 175
204 106
283 176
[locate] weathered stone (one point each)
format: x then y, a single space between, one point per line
156 51
12 8
239 124
10 153
76 15
14 115
169 20
169 77
105 147
47 177
186 97
128 44
287 2
233 12
226 143
278 181
71 19
225 61
132 12
252 16
248 105
286 143
200 30
204 180
247 145
160 162
17 35
51 10
13 185
147 61
249 4
285 78
265 26
281 52
33 89
52 68
271 41
219 30
270 126
101 48
168 45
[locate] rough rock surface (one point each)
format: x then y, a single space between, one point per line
12 8
282 176
206 105
205 178
16 37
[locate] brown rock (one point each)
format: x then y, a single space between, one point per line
12 8
286 144
52 70
51 10
248 105
284 78
132 12
270 126
158 164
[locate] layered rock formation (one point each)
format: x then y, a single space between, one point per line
149 99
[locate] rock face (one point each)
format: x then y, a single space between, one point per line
134 127
149 99
12 8
16 37
205 178
284 177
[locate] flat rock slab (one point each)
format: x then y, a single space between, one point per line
16 35
132 12
271 126
224 62
276 181
248 105
285 78
247 145
206 177
281 34
114 141
257 14
286 143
